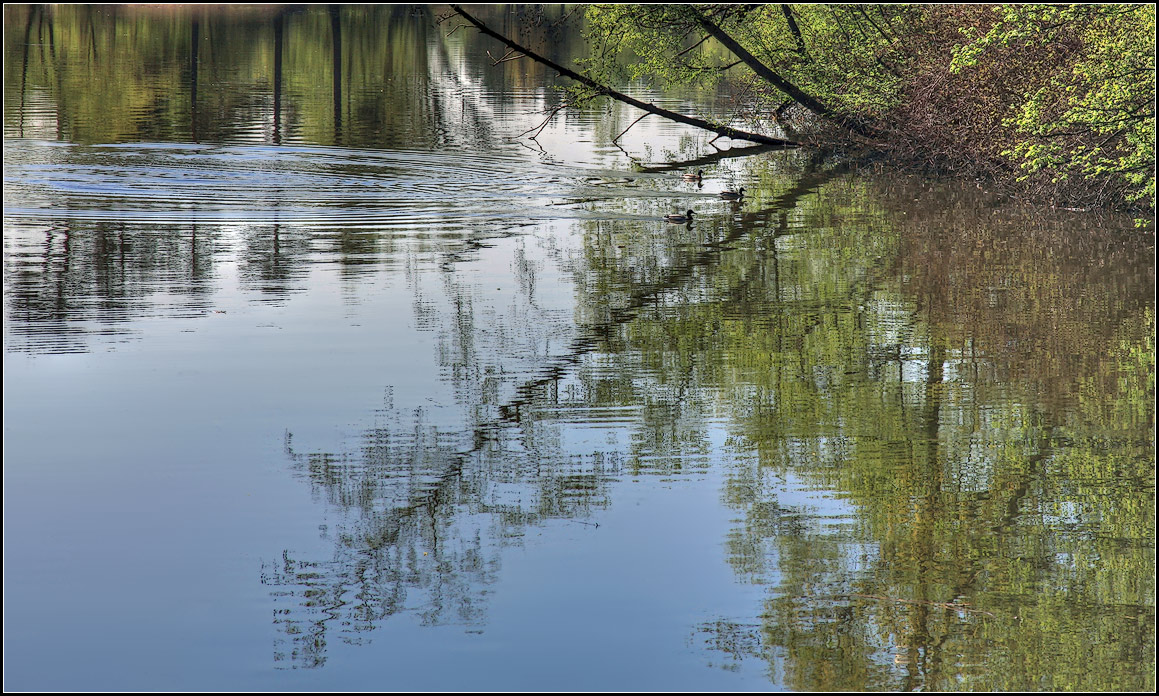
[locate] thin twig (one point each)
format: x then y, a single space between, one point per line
646 114
691 47
506 56
539 129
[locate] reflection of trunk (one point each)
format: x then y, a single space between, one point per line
619 96
59 88
40 34
934 378
279 27
92 33
336 34
66 263
915 641
32 12
194 44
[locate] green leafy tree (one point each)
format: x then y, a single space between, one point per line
1054 101
1091 113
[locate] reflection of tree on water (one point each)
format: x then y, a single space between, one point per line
1004 522
426 510
365 76
408 544
96 281
425 514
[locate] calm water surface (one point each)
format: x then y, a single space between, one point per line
346 388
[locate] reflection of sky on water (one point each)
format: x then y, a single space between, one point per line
184 399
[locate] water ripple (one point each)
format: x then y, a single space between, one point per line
308 186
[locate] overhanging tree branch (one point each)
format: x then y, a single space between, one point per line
619 96
805 100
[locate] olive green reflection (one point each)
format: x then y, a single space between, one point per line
366 75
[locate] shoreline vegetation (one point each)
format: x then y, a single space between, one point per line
1051 103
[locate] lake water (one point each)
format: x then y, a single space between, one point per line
352 388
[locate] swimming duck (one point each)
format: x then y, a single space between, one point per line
687 217
694 177
732 195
